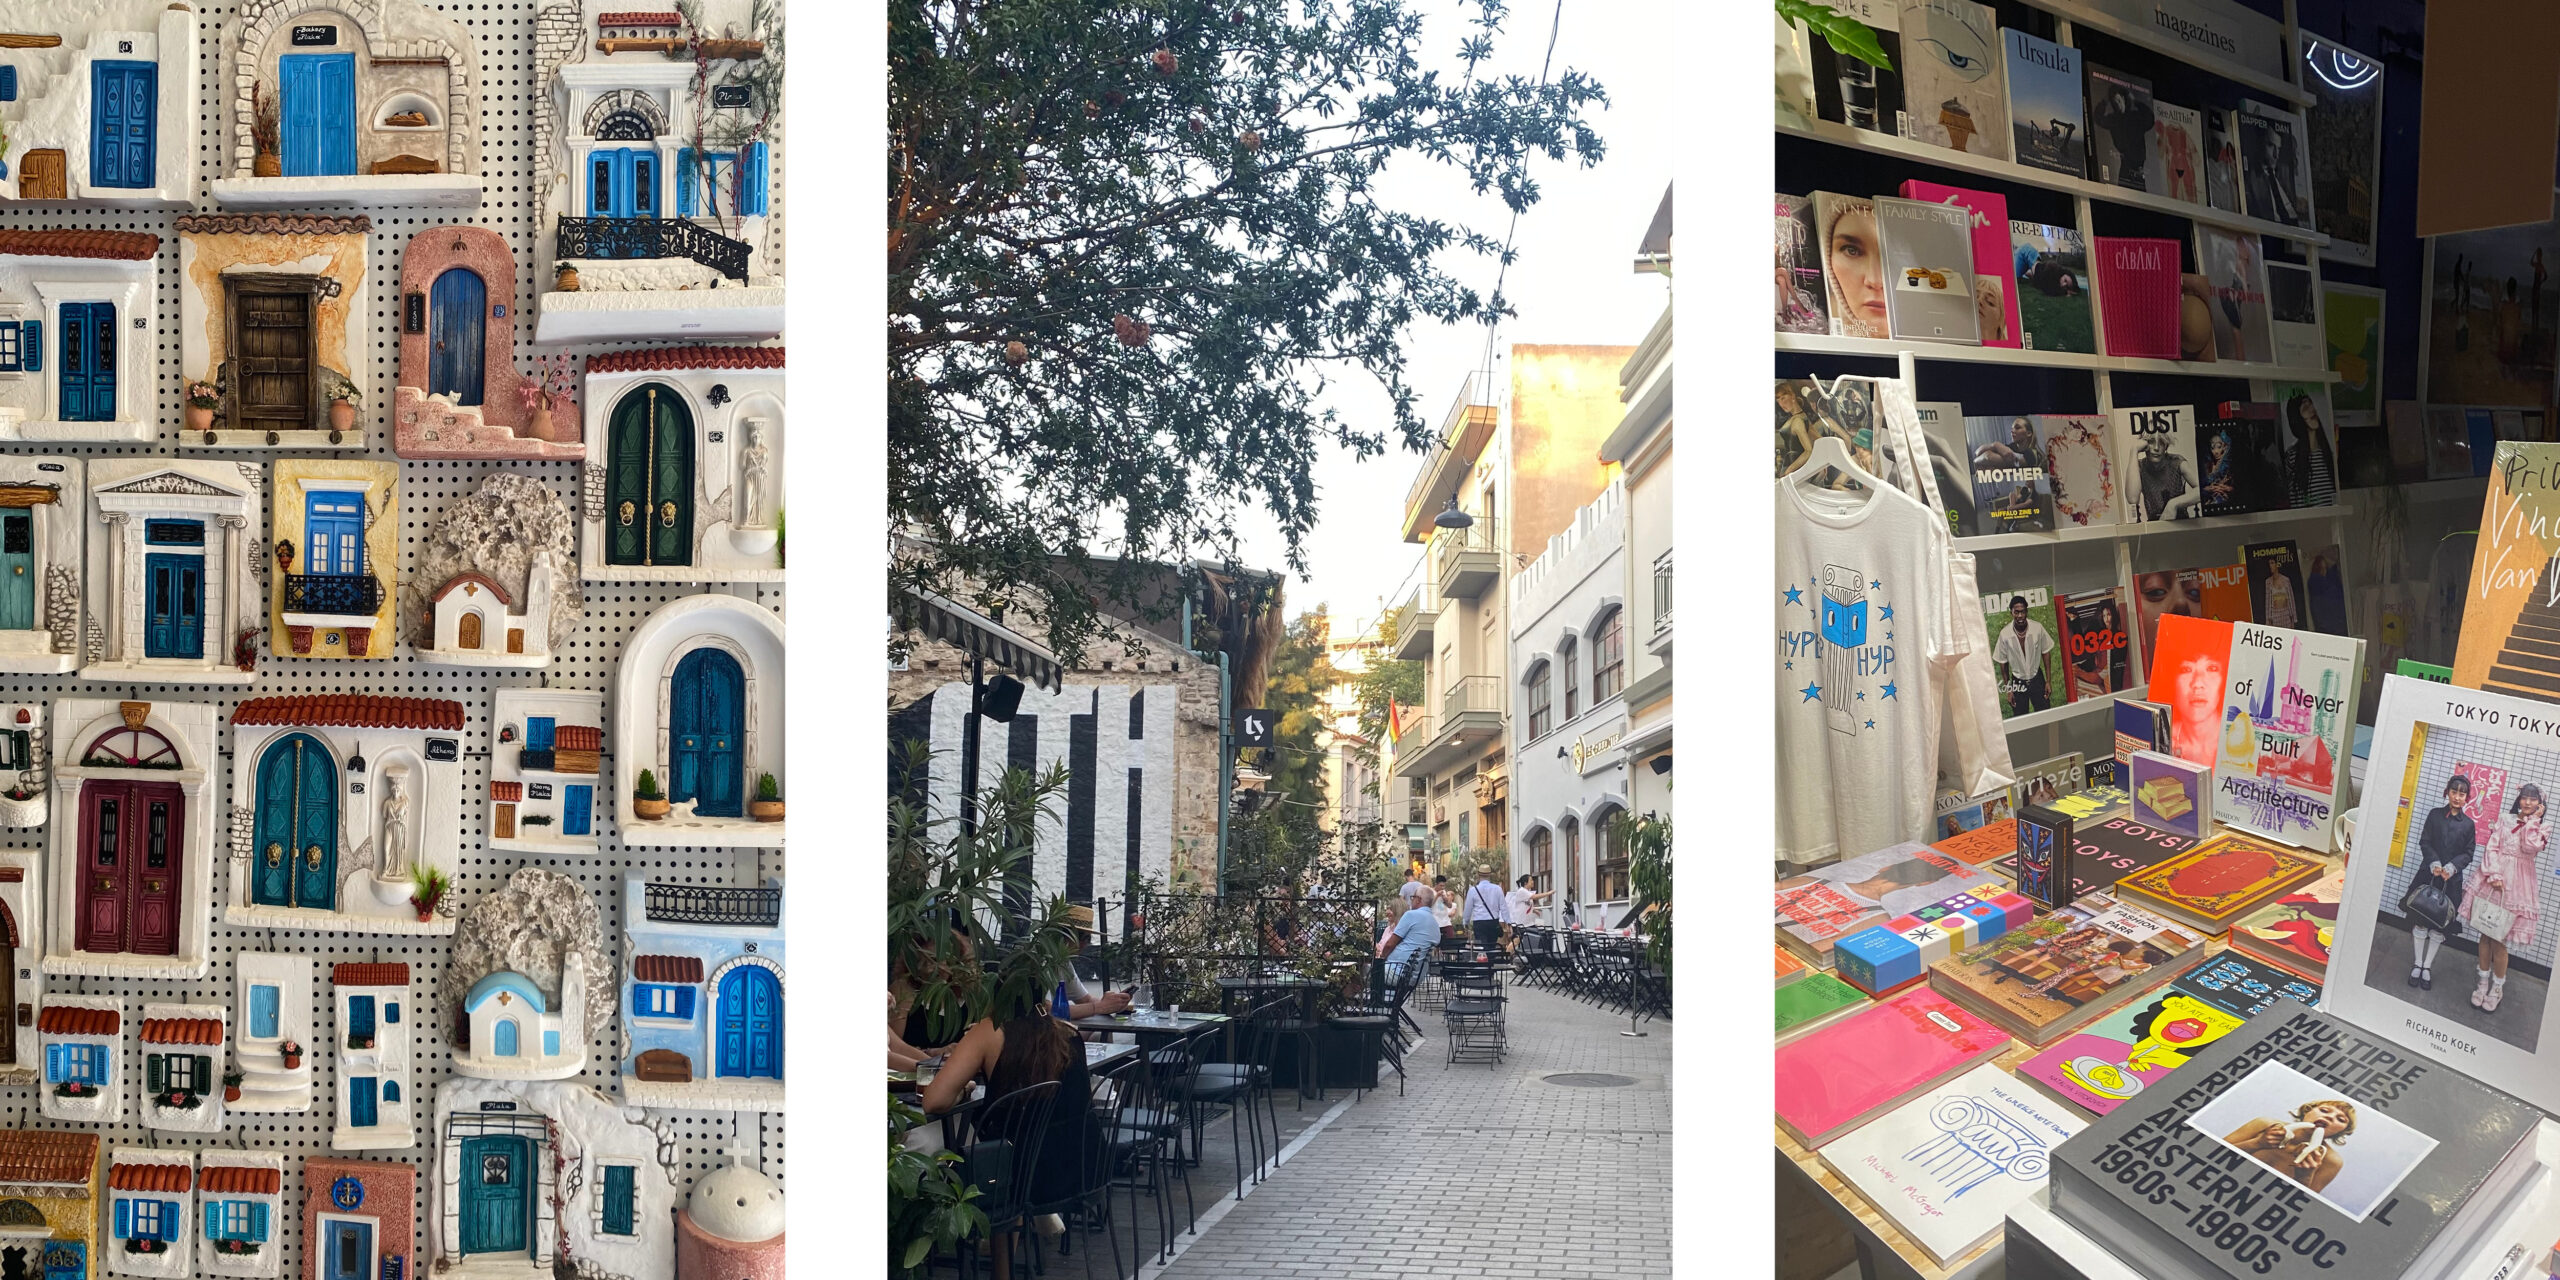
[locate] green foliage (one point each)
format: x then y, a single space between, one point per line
1176 211
647 787
937 871
1301 676
1396 679
1283 850
930 1207
1648 845
1843 33
767 788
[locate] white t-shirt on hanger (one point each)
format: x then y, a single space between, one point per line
1866 637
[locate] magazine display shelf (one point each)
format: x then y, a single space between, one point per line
1922 348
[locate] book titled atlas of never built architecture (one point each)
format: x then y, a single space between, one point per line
2288 718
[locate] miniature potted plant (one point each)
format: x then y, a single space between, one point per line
427 887
536 820
202 399
231 1084
179 1099
291 1052
75 1089
566 279
357 1041
343 400
236 1248
767 806
646 799
263 131
23 804
547 390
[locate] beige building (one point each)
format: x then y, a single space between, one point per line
1354 790
1641 446
1509 473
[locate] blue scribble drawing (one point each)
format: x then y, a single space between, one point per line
1975 1145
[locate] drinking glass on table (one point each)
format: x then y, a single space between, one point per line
1142 999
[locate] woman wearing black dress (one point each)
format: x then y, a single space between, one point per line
2445 846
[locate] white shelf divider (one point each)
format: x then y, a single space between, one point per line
1891 348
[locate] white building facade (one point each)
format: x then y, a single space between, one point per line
79 336
683 478
375 1093
1642 447
1568 648
271 1009
108 116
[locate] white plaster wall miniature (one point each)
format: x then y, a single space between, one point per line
170 1254
543 926
132 919
402 130
391 770
585 1133
313 265
722 522
240 1176
171 1030
264 1025
514 532
703 996
131 503
21 998
670 667
520 816
617 95
40 586
83 1045
81 363
382 1065
51 118
26 763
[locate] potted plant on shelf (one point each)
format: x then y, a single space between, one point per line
565 280
427 887
767 806
231 1084
202 399
23 804
264 132
291 1052
646 800
543 393
343 400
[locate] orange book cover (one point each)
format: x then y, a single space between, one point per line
2222 879
2510 612
2223 592
1789 968
1985 843
2187 670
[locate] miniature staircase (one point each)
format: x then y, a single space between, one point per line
2529 665
265 1084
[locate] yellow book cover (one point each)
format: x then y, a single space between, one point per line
2512 613
2222 879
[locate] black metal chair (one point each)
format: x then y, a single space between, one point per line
1383 1019
1145 1139
1206 1086
1011 1131
1474 1013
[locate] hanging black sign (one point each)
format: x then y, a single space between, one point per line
444 749
537 791
1253 728
322 35
413 313
497 1106
729 95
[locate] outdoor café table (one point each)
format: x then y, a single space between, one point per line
1160 1025
1306 987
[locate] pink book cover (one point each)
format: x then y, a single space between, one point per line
2138 295
1992 266
1833 1080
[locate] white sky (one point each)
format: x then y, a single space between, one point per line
1573 280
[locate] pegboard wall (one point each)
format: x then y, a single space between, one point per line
694 1143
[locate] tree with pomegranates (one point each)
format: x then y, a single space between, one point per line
1129 248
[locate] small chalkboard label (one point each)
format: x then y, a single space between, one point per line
413 313
48 466
321 35
444 749
537 791
729 95
497 1106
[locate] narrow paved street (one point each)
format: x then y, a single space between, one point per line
1476 1170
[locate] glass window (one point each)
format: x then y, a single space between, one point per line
1609 657
1542 859
109 830
1462 832
1572 831
1572 687
9 332
1611 869
1542 716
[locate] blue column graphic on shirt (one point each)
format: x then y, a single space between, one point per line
1832 646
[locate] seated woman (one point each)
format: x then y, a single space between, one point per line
1029 1048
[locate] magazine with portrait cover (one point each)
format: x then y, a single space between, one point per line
2240 456
2011 493
1806 411
2046 128
2278 596
2222 160
1928 261
2026 653
2275 166
1800 307
2288 723
1852 256
2156 458
2234 269
2121 130
1951 83
2181 131
2050 265
2097 643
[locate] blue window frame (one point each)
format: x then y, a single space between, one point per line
236 1220
621 1190
391 1012
8 84
752 181
659 1000
264 1001
359 1017
139 1219
333 530
85 1063
9 336
173 533
538 732
390 1091
551 1044
31 346
577 811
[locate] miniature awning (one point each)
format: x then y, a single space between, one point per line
151 1177
370 975
197 1031
29 495
686 969
47 1157
509 792
352 710
980 636
78 1020
242 1179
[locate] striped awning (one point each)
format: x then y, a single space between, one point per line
977 634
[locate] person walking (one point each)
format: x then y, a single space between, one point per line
1486 909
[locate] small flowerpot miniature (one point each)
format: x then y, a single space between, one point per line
767 806
342 411
646 800
202 399
231 1084
292 1055
567 280
23 804
427 887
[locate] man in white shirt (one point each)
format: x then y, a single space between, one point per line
2020 655
1486 910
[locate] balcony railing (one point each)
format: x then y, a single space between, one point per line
1415 619
1485 535
343 595
1467 561
537 759
712 904
620 238
1472 693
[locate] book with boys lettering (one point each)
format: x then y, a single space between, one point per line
2107 850
2067 967
2096 646
2288 720
1928 266
1951 76
2221 880
2156 463
1946 1167
1852 1071
1987 216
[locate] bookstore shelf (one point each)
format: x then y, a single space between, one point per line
1890 348
2162 528
1841 135
2167 47
2056 715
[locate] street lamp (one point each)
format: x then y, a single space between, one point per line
1452 518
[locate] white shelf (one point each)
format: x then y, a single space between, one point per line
2118 532
1892 348
2056 715
2010 171
2469 488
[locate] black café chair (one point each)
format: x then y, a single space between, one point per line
1238 1087
1145 1139
1379 1023
1474 1014
1011 1131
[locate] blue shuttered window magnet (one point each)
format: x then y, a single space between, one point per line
31 346
8 84
686 201
752 180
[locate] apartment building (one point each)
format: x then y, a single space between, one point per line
1641 448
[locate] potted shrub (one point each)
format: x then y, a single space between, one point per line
427 887
179 1099
566 279
547 390
646 800
343 400
355 1041
264 132
767 806
202 399
291 1052
231 1084
23 804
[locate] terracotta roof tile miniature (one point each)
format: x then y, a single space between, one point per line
354 710
666 968
182 1031
686 358
271 224
57 1156
470 578
242 1179
508 791
78 1020
370 975
134 246
627 18
578 737
151 1177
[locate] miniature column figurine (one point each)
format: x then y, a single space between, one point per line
395 827
751 477
115 584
